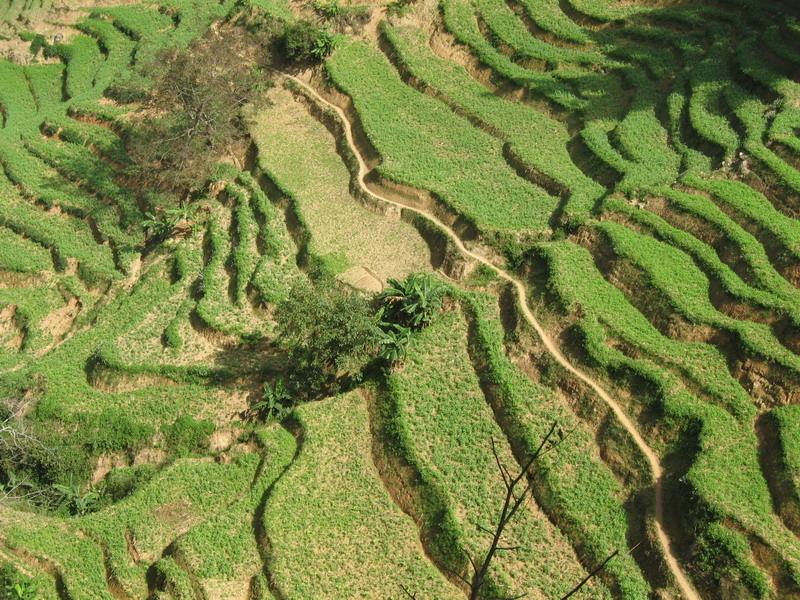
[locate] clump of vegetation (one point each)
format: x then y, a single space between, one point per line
14 585
187 435
75 500
330 336
341 17
399 8
276 402
114 430
169 221
306 42
405 306
412 302
194 111
123 481
38 42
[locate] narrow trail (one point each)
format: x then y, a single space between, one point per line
681 579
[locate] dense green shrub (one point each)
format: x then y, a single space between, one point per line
14 585
412 302
330 336
305 41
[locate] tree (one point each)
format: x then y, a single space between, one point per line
330 336
412 302
512 502
193 113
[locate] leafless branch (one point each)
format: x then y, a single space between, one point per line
512 502
594 572
518 489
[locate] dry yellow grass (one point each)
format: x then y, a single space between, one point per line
375 247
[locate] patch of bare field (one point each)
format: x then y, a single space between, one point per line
58 323
11 335
227 590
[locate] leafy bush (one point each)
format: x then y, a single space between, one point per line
412 302
75 500
276 402
14 585
330 336
304 41
394 342
341 16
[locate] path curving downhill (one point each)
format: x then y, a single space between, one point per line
681 578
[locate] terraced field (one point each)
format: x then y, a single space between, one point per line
609 193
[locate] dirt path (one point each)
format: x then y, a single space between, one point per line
655 466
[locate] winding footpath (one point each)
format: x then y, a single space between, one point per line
657 471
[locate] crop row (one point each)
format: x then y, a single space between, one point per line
83 59
753 207
787 419
214 308
677 103
508 28
538 141
703 254
333 492
548 15
244 256
606 10
461 20
32 304
687 289
578 487
13 10
20 255
643 139
78 164
752 251
575 276
325 202
276 267
444 428
66 238
115 45
203 489
226 547
725 476
425 145
707 80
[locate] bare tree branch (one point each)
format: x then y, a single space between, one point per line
594 572
518 489
511 504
